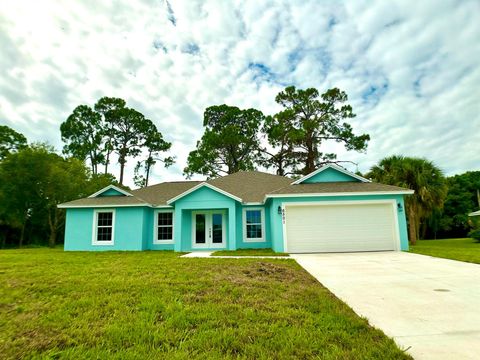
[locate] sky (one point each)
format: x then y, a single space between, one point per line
411 69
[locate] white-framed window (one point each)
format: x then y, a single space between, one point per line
163 227
103 227
253 225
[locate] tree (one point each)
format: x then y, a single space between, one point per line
33 181
10 141
417 174
462 199
128 129
306 123
19 178
279 131
155 144
230 142
108 108
111 127
83 134
65 180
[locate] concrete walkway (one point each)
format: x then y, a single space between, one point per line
430 306
208 254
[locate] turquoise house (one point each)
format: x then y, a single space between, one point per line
329 210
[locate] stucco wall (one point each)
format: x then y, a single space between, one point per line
128 233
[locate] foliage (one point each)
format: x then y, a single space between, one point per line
10 141
110 127
82 133
279 132
108 107
308 120
230 142
475 234
155 144
455 249
462 198
33 181
417 174
155 305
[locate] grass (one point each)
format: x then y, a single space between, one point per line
147 305
248 252
456 249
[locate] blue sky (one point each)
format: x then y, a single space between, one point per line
411 68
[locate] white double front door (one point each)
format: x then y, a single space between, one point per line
208 229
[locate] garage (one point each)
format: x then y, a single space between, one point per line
341 226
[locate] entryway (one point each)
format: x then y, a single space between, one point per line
208 229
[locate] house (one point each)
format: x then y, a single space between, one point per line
329 210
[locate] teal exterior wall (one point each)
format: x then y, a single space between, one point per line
329 175
128 232
240 228
277 225
134 226
111 192
203 199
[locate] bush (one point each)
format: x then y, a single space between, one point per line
475 234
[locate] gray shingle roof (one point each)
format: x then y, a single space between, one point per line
250 186
337 187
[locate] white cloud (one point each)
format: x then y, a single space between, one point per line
410 68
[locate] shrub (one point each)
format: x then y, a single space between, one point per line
475 234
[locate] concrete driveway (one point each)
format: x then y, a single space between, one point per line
430 306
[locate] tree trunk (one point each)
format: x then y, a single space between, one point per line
147 173
122 166
106 163
53 238
22 234
53 228
412 225
310 163
3 240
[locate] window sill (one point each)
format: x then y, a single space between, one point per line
163 242
254 240
106 243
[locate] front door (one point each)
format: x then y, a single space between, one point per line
208 229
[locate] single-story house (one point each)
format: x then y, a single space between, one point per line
329 210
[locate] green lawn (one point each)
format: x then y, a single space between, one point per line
248 252
148 305
456 249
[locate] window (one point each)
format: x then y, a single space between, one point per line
254 225
104 224
163 231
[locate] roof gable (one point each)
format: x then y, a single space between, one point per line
110 190
330 173
201 186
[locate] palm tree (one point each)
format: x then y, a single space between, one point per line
417 174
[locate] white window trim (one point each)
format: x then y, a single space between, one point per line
95 228
155 227
244 218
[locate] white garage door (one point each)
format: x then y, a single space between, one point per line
340 227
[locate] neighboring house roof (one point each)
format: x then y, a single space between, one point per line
475 213
249 187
